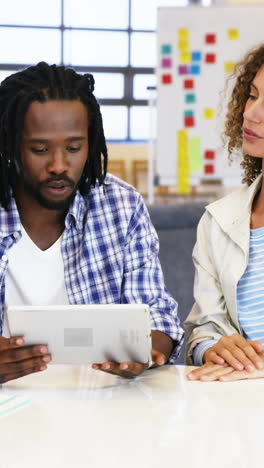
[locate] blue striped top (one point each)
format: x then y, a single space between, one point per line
250 290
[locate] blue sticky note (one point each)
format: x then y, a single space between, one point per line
188 113
196 56
195 70
166 49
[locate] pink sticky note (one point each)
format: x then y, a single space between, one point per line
183 70
166 62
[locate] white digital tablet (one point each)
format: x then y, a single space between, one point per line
80 334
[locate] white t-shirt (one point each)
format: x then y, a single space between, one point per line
34 276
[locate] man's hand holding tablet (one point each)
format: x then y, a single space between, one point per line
18 360
161 349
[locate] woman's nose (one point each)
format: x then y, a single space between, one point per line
255 112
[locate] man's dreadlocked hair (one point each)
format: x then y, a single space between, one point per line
42 83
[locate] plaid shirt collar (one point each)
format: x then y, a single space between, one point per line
10 220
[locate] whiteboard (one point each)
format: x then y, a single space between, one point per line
215 38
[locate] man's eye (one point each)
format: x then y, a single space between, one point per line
39 150
74 149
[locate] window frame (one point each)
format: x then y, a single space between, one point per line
128 71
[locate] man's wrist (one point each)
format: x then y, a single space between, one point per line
162 343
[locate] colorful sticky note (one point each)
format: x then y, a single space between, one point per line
183 70
210 38
210 58
195 69
229 67
208 113
189 121
183 170
188 84
209 154
166 79
196 56
185 57
195 154
209 169
166 62
183 45
183 33
183 143
188 113
190 98
233 34
166 49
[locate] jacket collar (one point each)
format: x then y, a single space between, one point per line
233 212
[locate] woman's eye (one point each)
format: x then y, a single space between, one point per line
252 97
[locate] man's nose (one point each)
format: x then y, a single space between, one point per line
58 163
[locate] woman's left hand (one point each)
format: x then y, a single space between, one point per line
210 372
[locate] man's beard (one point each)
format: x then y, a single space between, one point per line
35 192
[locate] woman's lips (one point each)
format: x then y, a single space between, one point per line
249 134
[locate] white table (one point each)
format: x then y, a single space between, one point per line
79 417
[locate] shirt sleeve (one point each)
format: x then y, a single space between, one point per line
143 277
199 351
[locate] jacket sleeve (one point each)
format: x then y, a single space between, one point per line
209 318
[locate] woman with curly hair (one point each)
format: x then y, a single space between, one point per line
225 329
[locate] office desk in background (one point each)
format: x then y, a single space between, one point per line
79 417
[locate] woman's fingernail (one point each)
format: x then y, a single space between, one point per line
249 368
239 366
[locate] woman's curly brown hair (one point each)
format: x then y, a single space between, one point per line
245 72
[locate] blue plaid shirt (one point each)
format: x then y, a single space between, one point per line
110 254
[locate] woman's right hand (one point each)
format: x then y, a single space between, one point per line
237 352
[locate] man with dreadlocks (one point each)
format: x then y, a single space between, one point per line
69 234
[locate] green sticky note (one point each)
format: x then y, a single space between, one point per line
166 49
189 98
195 154
188 113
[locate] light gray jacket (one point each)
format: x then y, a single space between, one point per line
220 257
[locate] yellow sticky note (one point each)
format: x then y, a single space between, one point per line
229 67
183 33
185 57
195 154
233 34
183 182
183 45
183 187
209 113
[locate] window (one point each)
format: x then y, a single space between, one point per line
113 39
